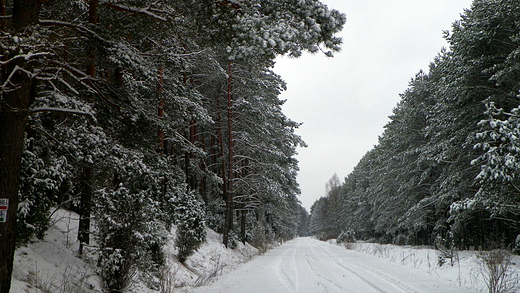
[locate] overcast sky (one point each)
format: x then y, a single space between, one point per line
345 101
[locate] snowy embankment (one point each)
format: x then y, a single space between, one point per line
52 265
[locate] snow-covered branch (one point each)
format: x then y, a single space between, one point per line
79 28
177 55
25 57
55 139
58 110
514 187
16 68
146 11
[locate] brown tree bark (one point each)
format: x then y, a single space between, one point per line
25 13
92 15
191 178
229 200
14 106
12 127
223 167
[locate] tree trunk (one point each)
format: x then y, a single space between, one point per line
92 14
25 13
2 13
225 232
12 126
85 208
86 178
243 226
229 200
160 112
13 119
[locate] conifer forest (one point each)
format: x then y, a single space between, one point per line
446 168
144 116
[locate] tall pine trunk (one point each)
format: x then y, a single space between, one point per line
85 207
229 200
13 120
223 164
86 179
12 127
243 218
160 112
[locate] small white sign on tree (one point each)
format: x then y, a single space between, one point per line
4 205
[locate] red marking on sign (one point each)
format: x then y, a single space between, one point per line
3 208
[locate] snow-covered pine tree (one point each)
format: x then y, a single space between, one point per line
190 222
485 47
131 233
255 32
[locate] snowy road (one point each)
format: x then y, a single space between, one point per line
306 265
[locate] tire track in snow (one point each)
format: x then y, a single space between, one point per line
336 282
295 267
322 278
394 283
378 274
280 275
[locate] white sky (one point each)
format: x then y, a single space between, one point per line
345 101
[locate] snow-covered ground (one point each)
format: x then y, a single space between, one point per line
52 265
301 265
309 265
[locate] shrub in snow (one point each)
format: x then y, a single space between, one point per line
233 240
43 178
215 214
189 214
260 240
496 267
401 239
348 236
130 233
127 236
446 250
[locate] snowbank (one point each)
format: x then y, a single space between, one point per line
52 264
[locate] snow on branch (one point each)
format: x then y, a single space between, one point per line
82 78
146 11
16 68
55 139
177 55
79 28
25 57
58 110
